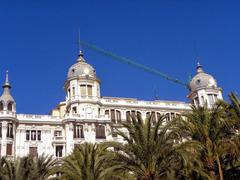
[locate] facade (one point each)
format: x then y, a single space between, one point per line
85 115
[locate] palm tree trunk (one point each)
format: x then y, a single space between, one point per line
219 168
211 167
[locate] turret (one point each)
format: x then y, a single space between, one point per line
7 121
203 88
7 102
82 87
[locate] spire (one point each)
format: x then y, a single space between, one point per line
80 54
199 68
6 84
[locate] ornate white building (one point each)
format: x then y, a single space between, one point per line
85 115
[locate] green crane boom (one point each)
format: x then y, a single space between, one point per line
133 63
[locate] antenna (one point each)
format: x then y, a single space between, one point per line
79 43
197 57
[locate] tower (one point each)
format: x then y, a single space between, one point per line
82 89
203 88
7 120
82 118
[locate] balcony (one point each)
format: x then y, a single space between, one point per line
59 140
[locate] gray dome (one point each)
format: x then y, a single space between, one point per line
202 80
81 68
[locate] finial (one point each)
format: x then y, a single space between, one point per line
79 44
6 83
199 68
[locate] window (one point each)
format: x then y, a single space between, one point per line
170 116
115 115
39 135
1 106
33 135
9 149
212 98
57 133
69 93
78 131
27 135
86 90
118 117
73 91
132 114
196 101
33 151
10 130
0 130
83 90
89 90
202 99
59 151
100 132
155 116
74 110
10 106
107 112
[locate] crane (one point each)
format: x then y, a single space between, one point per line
131 62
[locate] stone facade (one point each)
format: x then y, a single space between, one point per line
85 115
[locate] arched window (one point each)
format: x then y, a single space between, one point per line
155 116
132 114
1 106
115 115
10 106
170 116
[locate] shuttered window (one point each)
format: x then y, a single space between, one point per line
89 90
100 132
78 131
9 149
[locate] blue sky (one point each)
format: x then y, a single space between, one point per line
38 43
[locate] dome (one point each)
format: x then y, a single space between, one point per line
81 68
202 80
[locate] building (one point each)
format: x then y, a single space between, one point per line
85 115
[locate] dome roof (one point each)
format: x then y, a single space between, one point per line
81 68
202 80
6 96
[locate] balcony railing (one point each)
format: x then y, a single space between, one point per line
7 114
59 139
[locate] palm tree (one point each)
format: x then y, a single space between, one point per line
213 131
43 167
21 168
89 162
231 162
150 151
27 168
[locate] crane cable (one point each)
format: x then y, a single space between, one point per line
131 62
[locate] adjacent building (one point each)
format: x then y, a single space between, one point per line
86 116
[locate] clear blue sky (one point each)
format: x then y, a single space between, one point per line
38 43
